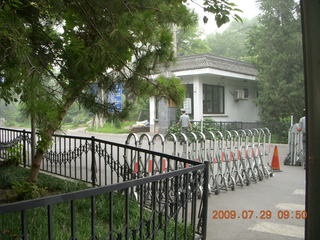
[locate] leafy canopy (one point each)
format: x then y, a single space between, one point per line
276 45
232 42
52 51
189 41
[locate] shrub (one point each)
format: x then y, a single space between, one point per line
208 125
13 156
279 129
27 190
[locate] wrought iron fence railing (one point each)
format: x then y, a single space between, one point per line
164 186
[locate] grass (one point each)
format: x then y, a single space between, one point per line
111 128
65 126
37 218
11 174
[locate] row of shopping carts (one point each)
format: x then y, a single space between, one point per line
236 157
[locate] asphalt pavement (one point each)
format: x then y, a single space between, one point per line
273 203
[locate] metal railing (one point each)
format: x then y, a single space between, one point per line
164 186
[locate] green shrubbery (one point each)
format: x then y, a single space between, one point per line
279 130
14 156
208 125
27 190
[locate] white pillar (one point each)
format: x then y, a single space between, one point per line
197 99
152 113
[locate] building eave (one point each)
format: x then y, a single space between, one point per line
210 64
216 72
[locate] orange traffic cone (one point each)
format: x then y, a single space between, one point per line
275 160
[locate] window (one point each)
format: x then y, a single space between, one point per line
246 93
213 99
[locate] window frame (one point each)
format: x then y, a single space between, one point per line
205 87
246 93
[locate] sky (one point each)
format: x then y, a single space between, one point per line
249 8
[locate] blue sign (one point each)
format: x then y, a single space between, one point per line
115 97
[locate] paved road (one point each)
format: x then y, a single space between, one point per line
119 138
285 191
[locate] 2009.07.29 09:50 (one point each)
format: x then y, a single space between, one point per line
263 214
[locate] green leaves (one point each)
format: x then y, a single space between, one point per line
189 41
222 10
171 88
52 51
232 42
276 45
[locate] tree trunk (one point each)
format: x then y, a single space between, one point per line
101 120
35 168
45 141
36 160
95 121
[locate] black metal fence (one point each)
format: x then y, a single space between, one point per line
165 190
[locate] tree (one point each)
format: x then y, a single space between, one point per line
52 52
232 42
276 46
189 41
12 114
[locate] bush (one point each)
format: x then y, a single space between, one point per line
279 129
26 190
174 128
13 156
208 125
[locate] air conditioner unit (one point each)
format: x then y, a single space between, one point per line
239 94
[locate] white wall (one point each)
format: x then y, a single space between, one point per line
242 110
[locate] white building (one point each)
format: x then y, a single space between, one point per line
219 88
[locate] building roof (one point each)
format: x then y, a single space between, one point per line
201 61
